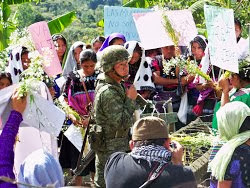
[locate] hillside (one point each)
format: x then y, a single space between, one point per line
89 12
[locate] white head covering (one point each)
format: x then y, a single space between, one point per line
15 67
230 118
143 77
242 48
40 168
71 63
205 61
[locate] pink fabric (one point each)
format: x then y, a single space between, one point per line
79 101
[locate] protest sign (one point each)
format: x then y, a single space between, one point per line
120 20
152 33
43 42
39 113
221 37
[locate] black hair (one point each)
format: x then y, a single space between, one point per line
200 41
237 22
244 74
6 75
113 40
149 52
138 49
88 46
55 37
245 126
98 39
80 46
88 54
159 142
24 50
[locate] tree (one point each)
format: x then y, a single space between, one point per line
26 15
93 4
7 24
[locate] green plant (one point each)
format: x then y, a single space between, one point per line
8 24
195 144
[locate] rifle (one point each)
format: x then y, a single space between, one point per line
83 163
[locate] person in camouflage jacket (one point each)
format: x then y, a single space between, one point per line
114 106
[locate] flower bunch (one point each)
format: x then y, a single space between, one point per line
185 65
35 71
179 62
22 38
3 60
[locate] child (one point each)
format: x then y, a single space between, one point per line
5 80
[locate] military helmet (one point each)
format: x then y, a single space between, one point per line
113 55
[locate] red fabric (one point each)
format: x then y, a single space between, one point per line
198 108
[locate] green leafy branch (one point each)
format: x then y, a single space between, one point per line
193 69
35 72
170 30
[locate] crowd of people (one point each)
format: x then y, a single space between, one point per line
116 77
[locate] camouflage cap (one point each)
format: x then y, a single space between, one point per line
148 128
113 55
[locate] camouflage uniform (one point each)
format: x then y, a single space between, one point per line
113 114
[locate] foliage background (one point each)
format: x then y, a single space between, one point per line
90 12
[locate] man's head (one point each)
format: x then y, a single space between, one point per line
115 60
152 130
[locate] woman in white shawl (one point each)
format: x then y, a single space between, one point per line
73 61
230 167
140 73
18 62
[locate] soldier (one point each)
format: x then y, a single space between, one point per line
114 107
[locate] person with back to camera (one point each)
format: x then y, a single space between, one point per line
152 160
231 165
